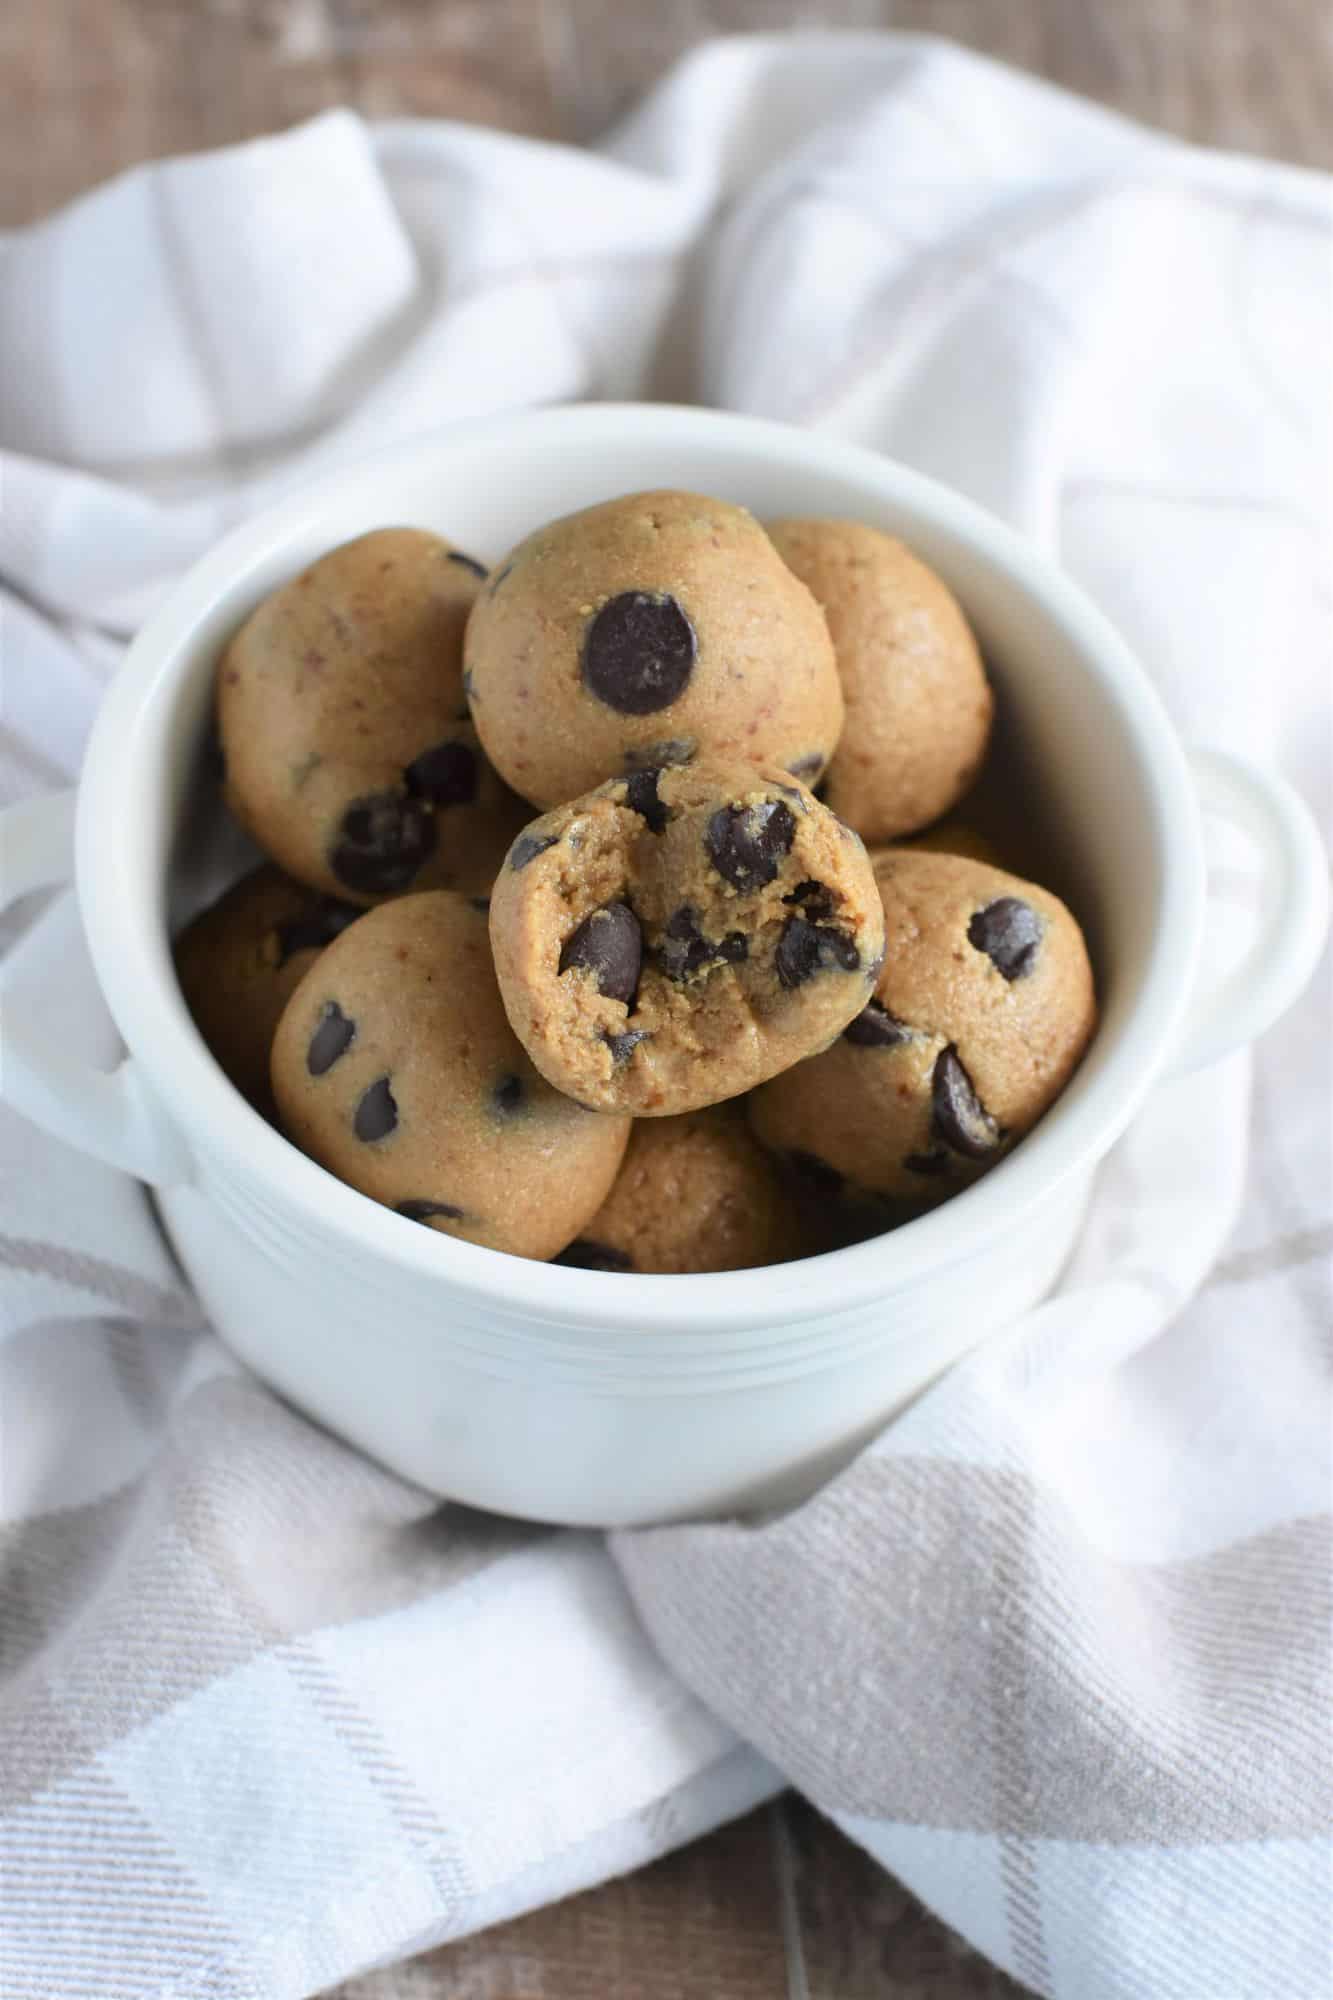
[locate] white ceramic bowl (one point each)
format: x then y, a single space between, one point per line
582 1396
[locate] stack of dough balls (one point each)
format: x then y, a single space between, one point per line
614 906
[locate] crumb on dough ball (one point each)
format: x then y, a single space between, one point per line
919 706
695 1193
672 938
642 632
239 961
395 1068
980 1015
348 749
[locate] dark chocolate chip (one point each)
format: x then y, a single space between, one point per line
958 1116
685 950
585 1255
377 1113
382 842
816 1173
807 767
528 846
652 756
641 797
331 1039
623 1045
609 944
325 920
422 1211
805 949
1009 932
815 898
932 1164
876 1028
446 775
746 844
468 562
469 686
482 903
508 1095
499 578
639 653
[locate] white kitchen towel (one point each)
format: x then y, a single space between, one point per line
1056 1649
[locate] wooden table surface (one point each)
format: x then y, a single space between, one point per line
778 1904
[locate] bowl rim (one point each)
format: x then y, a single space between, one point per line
132 957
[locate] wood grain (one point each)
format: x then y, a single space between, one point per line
777 1907
779 1904
89 86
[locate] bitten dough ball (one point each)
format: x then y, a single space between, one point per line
672 938
348 750
241 959
980 1016
643 632
395 1068
696 1193
919 706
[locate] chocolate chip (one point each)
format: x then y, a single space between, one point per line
508 1095
958 1116
585 1255
528 846
746 844
499 578
325 920
805 949
446 775
1009 932
808 766
671 750
377 1113
933 1164
641 797
609 944
816 1173
382 842
815 898
639 652
422 1211
685 950
622 1046
331 1039
468 562
876 1028
469 686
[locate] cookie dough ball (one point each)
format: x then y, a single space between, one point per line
239 962
395 1068
640 633
348 751
952 835
919 706
980 1015
678 935
694 1194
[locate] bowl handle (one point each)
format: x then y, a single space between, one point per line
107 1113
1293 919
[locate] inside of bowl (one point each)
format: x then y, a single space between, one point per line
1065 790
